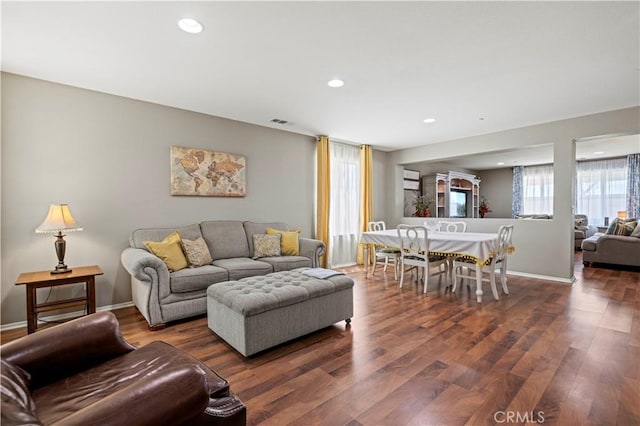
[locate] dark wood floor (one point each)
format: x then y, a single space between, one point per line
547 353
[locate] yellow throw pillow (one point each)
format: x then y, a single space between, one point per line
170 251
289 243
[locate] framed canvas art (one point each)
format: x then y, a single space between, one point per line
205 173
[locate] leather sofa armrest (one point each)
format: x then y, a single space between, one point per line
313 249
172 397
53 353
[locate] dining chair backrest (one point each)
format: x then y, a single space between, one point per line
432 225
376 226
503 242
451 226
413 241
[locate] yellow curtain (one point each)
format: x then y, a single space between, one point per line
366 197
322 213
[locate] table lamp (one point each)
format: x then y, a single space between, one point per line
59 219
622 214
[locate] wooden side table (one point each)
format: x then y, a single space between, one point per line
36 280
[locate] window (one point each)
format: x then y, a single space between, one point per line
344 205
537 189
601 188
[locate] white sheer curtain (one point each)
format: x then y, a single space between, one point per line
537 189
345 195
601 188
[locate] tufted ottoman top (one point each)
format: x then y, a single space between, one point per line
254 295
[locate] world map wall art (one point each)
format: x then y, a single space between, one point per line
207 173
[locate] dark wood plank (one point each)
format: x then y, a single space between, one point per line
570 352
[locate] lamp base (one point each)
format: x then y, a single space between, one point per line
61 246
61 269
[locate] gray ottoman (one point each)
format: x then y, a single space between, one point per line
257 313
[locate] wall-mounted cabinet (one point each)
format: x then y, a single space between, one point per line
411 180
457 195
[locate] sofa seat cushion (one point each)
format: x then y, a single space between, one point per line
580 233
64 397
191 279
286 263
242 267
590 244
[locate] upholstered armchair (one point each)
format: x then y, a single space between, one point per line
84 372
582 229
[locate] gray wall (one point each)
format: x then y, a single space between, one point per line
543 247
496 186
108 158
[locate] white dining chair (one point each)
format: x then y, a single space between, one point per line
383 252
452 226
463 268
432 225
414 246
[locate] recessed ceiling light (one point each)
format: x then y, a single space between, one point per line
190 25
429 120
501 164
599 152
335 83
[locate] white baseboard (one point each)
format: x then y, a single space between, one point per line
67 315
543 277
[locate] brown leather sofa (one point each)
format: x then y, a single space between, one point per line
83 372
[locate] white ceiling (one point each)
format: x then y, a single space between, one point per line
477 67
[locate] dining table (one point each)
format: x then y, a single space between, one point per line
475 246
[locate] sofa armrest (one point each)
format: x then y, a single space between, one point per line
63 350
150 282
172 397
137 261
312 249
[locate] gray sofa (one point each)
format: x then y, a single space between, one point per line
162 296
613 249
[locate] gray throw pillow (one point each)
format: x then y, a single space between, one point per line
196 252
265 245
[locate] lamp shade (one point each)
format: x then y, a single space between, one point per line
58 219
622 214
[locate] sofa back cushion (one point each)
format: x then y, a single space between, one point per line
225 239
252 228
17 406
139 236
